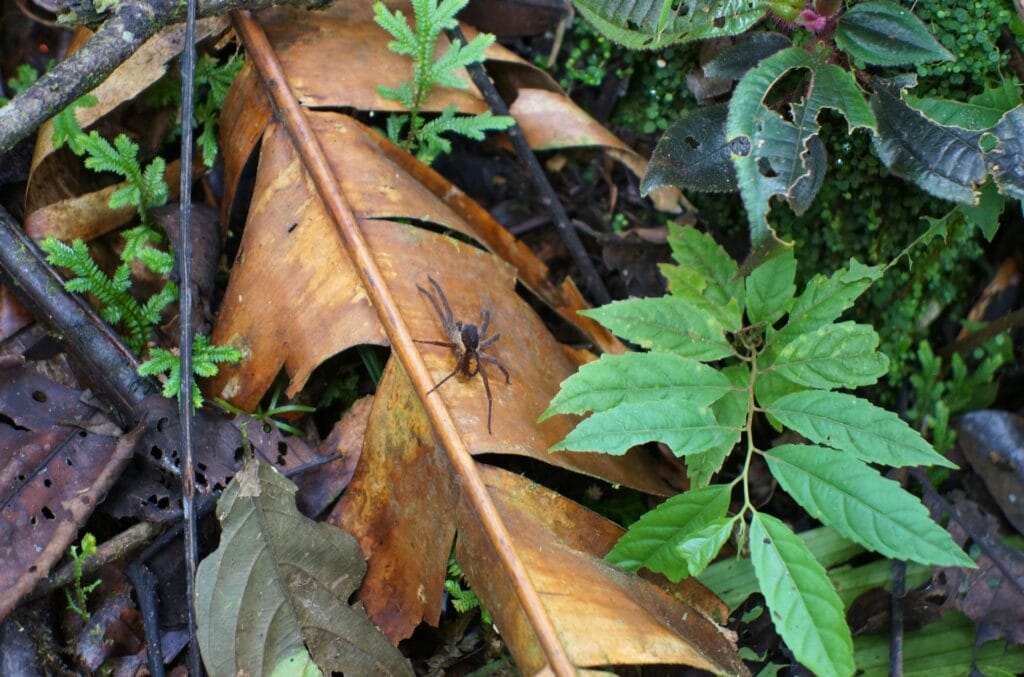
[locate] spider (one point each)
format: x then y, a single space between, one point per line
466 341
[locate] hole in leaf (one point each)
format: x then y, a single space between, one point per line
161 425
156 453
47 513
47 482
39 396
693 143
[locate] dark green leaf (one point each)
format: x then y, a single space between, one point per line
1006 160
943 160
278 582
654 540
885 34
770 288
693 154
636 378
804 606
686 429
859 503
749 50
668 324
730 412
855 425
833 356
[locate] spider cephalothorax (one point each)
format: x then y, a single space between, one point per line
467 341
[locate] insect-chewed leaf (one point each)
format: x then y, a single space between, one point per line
770 288
885 34
686 428
731 412
833 356
804 606
654 541
855 425
859 503
635 378
824 299
666 323
278 582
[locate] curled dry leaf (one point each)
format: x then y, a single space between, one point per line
53 473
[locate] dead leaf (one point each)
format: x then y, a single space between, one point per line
993 443
52 475
279 582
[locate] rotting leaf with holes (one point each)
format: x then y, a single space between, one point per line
279 581
52 475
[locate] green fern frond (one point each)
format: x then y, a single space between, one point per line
205 358
66 129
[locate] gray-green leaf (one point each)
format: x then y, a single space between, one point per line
280 582
859 503
654 541
770 288
885 34
824 299
666 323
635 378
686 428
833 356
855 425
804 606
693 154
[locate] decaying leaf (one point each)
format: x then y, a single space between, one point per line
53 472
280 582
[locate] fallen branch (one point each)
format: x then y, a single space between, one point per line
117 38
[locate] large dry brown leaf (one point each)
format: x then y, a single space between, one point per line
404 507
52 475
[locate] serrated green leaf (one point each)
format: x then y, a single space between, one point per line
668 324
686 429
654 540
836 355
1004 161
859 503
700 547
804 606
830 87
635 378
824 299
706 275
885 34
730 412
770 288
849 423
943 160
279 581
693 154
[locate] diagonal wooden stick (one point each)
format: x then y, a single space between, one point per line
308 147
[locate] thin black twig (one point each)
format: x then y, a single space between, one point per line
899 584
187 448
591 280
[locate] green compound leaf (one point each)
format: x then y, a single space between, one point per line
635 378
784 146
655 540
667 323
706 275
770 288
730 412
804 606
859 503
824 299
833 356
849 423
279 581
943 160
686 429
885 34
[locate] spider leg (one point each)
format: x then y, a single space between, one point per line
441 382
487 390
449 316
487 341
496 362
485 319
437 306
446 344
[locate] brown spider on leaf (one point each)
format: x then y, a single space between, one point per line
466 341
